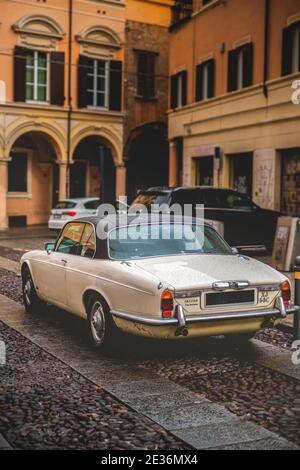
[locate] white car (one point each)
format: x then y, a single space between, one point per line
189 285
69 209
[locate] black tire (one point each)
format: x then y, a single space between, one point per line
32 303
102 329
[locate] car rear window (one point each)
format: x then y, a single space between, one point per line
65 205
148 240
92 204
188 197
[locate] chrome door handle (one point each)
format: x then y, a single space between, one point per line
64 261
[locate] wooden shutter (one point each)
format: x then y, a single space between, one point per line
151 75
199 82
232 70
287 51
184 87
20 54
57 78
141 74
84 65
247 65
174 91
211 78
115 85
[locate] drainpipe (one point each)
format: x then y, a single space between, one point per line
266 47
70 33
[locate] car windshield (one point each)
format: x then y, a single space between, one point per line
148 199
150 240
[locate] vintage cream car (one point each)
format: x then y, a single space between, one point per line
142 275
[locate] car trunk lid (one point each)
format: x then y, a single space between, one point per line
202 271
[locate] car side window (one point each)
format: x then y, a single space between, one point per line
70 239
92 204
88 242
239 202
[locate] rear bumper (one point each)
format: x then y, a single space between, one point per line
201 325
270 313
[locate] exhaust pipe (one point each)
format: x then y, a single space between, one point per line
181 328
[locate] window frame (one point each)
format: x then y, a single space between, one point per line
150 78
58 242
21 194
95 91
35 84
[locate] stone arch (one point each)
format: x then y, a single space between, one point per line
113 140
49 131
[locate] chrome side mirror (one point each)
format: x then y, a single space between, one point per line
49 247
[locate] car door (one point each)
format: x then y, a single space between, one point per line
243 226
53 288
79 272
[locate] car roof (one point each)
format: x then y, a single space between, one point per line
121 220
79 199
167 189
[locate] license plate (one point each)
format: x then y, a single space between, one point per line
217 299
57 216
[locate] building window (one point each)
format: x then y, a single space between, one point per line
37 76
179 89
291 49
98 83
240 67
17 173
146 74
205 80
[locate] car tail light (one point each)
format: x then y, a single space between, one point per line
70 213
167 303
286 293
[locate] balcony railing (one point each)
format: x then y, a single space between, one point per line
181 11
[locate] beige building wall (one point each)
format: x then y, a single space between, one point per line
49 123
244 121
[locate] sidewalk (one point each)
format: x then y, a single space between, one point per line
39 231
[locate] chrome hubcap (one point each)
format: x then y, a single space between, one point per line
27 291
98 322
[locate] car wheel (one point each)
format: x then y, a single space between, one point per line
101 327
32 303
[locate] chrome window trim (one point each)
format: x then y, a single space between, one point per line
84 223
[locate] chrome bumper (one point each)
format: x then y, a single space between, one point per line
181 320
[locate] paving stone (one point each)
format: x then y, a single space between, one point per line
222 434
263 444
191 416
151 403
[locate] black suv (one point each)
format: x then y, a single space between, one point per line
247 226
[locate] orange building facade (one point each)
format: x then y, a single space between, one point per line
233 122
63 76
